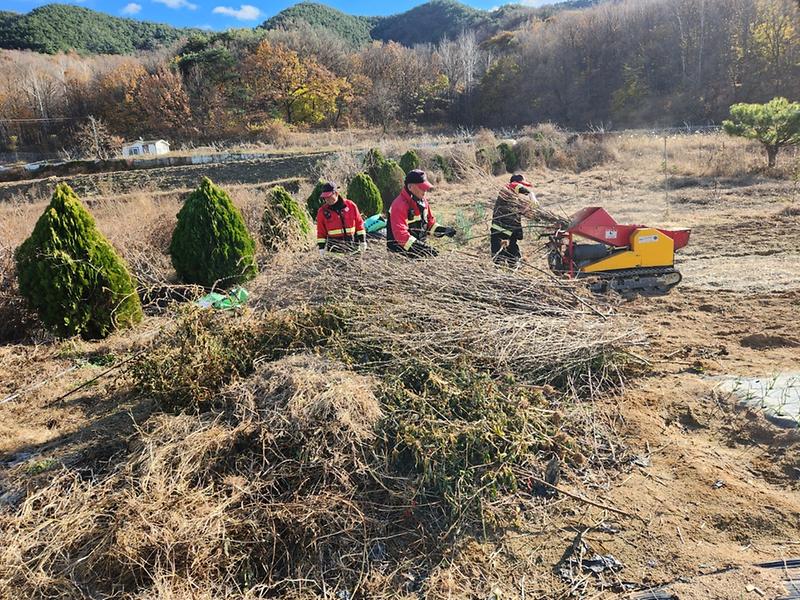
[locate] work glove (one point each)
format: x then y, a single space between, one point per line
504 243
322 251
445 231
362 247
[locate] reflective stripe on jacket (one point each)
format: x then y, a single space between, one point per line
410 220
340 223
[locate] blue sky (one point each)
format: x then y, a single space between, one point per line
223 14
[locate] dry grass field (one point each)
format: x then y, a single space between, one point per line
667 473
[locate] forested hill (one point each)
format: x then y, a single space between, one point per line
61 28
352 29
430 22
57 28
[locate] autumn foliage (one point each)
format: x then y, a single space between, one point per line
660 63
276 79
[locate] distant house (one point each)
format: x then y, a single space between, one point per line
145 147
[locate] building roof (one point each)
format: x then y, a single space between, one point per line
136 142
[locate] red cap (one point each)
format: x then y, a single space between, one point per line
418 177
328 190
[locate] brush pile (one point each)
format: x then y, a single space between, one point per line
334 440
453 308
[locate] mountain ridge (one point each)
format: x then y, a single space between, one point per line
54 28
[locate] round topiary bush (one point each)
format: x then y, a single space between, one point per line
211 245
409 161
363 191
284 224
388 176
71 275
313 202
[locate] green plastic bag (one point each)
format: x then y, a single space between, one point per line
233 299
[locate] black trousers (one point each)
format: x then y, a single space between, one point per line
509 256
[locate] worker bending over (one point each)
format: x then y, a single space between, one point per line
515 199
411 219
340 227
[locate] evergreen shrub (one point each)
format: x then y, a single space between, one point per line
284 224
313 202
72 276
211 245
409 161
363 191
509 156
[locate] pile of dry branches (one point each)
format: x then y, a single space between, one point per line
454 307
379 407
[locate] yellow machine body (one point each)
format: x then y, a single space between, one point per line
649 248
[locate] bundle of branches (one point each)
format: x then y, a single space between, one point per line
460 349
455 308
530 208
273 494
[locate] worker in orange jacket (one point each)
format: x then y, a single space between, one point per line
340 227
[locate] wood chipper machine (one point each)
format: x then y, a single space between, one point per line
628 259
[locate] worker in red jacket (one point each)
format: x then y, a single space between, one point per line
411 219
340 227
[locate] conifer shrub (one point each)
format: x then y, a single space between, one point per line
70 274
363 191
211 245
388 177
284 224
373 157
509 156
489 159
409 161
446 168
313 202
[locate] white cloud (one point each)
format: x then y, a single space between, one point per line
132 9
177 4
246 12
205 27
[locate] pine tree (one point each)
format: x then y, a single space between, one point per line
363 191
284 222
211 245
71 275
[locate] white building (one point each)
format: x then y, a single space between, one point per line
145 147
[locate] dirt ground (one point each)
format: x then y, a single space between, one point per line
715 489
